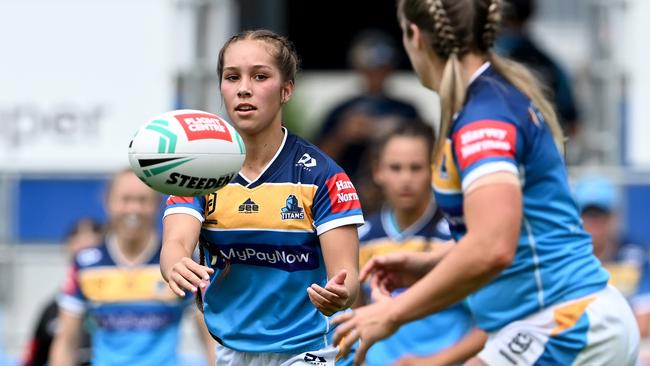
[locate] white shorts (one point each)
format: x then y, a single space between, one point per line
599 329
229 357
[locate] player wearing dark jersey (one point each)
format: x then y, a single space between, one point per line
280 241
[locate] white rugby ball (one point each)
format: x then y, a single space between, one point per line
186 153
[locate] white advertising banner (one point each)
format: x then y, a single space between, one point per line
77 79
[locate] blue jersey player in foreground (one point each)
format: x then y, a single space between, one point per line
409 221
279 242
522 255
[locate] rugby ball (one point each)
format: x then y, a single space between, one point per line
186 153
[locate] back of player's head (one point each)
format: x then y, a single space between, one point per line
454 26
284 52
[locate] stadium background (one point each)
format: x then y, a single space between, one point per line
79 77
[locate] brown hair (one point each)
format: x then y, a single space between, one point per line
458 27
414 128
284 52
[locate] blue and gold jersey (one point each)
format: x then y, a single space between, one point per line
136 316
261 237
381 235
500 130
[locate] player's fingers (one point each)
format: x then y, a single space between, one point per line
346 343
340 319
331 293
190 276
201 271
177 290
368 269
182 282
360 354
321 303
338 290
344 327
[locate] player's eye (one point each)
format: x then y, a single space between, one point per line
231 77
394 167
260 77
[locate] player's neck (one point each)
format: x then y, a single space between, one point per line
406 218
134 250
260 150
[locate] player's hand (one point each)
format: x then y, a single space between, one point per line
378 292
368 324
186 274
397 270
333 298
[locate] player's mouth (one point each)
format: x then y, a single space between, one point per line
245 109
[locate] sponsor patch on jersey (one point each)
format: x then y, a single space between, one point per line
289 258
249 206
179 199
134 320
199 126
484 139
306 161
292 209
342 193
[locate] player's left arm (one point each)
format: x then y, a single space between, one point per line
340 248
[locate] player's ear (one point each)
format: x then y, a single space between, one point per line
416 35
286 92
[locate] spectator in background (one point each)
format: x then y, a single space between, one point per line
85 233
347 130
626 263
598 201
515 42
118 285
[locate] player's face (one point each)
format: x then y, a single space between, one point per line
132 208
404 172
252 86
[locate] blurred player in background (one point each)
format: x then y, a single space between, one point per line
521 256
86 233
279 242
119 286
349 127
410 221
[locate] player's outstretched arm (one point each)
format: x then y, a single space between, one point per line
65 344
493 214
340 248
182 273
402 269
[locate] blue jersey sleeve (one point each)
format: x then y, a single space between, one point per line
483 147
72 298
194 206
336 202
